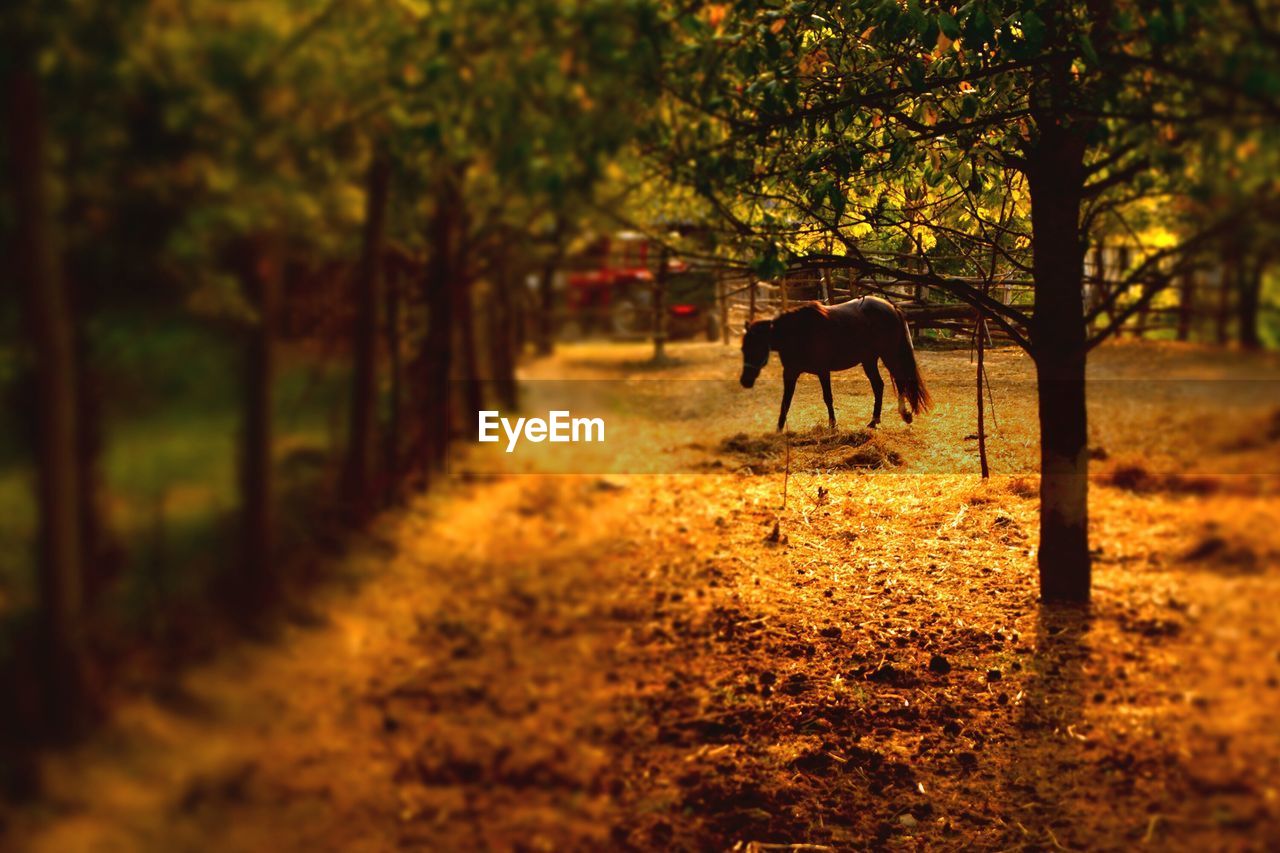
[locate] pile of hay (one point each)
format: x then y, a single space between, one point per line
816 450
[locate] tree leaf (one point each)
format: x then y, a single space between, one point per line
1088 51
949 27
1033 29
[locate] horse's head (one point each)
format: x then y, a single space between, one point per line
756 343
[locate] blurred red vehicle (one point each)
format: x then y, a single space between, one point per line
609 289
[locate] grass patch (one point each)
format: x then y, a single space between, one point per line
171 401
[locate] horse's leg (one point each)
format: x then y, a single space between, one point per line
788 388
825 379
877 387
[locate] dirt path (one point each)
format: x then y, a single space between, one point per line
604 661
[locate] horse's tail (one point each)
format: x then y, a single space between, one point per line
905 372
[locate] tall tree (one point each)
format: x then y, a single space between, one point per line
256 578
896 129
50 331
357 478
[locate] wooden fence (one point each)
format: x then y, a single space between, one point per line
744 299
1198 305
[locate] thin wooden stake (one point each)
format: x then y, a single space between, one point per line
786 477
991 400
982 426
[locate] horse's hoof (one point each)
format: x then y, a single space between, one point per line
906 416
873 425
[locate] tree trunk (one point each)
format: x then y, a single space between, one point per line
50 331
547 294
100 553
357 475
1056 178
546 309
472 395
393 437
256 583
1248 302
660 308
502 332
437 349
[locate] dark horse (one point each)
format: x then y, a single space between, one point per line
816 338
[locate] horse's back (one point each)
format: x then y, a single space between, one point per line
819 338
865 310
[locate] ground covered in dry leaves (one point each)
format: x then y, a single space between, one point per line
673 661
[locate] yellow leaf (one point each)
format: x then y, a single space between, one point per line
416 8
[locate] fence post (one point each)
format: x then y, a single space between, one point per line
1185 304
1102 286
723 293
981 335
751 309
1144 313
1227 280
660 307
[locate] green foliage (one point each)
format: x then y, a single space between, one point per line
904 128
178 129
